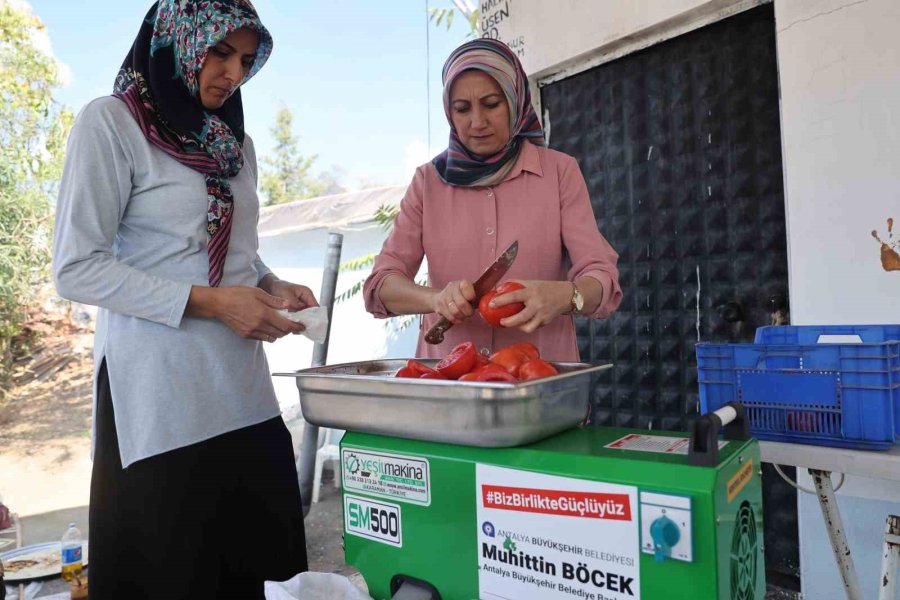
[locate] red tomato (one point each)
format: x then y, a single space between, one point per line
470 376
482 360
494 373
420 368
459 361
528 348
804 422
408 373
432 375
510 359
493 315
536 368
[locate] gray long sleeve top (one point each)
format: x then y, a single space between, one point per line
130 238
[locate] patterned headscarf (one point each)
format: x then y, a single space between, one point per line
457 165
159 81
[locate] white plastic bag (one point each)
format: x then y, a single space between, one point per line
315 319
314 586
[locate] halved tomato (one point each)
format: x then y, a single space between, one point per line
408 373
482 360
420 368
528 348
493 315
470 376
494 373
536 368
432 375
510 359
459 361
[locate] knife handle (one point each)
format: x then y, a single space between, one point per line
435 335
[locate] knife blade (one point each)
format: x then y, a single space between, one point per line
485 283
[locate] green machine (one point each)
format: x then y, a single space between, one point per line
472 490
593 513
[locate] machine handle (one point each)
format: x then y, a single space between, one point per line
704 447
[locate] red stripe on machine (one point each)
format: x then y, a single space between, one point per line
616 507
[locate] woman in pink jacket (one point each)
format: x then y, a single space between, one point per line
496 183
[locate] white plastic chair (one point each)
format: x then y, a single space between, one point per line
329 449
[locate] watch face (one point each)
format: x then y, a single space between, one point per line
578 300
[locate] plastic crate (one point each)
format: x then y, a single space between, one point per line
810 384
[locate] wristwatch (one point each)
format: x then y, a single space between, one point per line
577 299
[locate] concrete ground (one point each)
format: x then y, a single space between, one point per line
323 536
44 487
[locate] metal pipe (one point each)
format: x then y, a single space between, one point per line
310 443
835 528
890 561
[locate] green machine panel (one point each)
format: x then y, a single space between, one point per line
592 513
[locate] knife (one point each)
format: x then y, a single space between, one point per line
485 283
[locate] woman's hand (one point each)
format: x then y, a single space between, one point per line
454 302
298 296
250 312
544 301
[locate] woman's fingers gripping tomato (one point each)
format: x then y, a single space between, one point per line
510 359
420 368
527 347
494 373
535 369
493 315
459 361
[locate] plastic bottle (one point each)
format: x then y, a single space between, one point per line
71 553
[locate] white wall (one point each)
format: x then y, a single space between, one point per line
355 335
552 37
839 65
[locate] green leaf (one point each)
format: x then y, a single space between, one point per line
352 291
361 262
33 131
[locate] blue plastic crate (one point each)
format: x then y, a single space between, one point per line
810 384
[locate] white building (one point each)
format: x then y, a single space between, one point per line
292 242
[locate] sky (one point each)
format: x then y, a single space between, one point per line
353 72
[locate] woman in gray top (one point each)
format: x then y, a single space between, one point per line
194 493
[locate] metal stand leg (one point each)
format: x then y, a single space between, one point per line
835 527
307 459
890 562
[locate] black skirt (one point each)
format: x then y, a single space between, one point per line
212 520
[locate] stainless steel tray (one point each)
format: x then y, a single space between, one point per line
366 397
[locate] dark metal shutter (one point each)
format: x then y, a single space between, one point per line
680 145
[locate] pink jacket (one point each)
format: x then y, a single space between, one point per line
543 204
